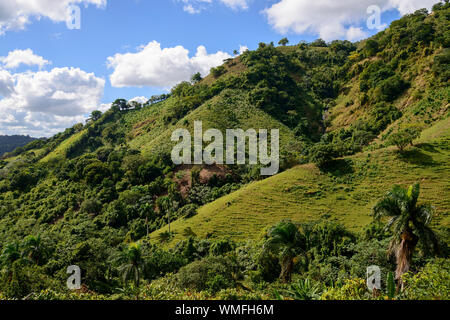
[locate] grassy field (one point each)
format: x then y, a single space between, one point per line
345 195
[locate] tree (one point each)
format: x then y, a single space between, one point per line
283 42
95 115
133 264
10 254
401 139
371 48
322 154
409 222
288 242
217 72
147 210
120 104
196 78
414 132
33 248
319 43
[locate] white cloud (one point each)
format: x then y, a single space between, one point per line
409 6
18 57
46 102
236 4
141 99
190 9
104 107
155 67
197 6
6 83
242 49
355 34
16 14
331 19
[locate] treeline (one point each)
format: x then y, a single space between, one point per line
9 143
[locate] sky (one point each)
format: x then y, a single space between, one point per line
62 59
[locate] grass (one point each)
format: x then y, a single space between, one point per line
228 110
60 152
346 194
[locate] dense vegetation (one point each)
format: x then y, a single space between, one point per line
105 195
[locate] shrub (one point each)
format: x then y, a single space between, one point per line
91 206
187 211
382 115
211 273
217 72
389 89
431 283
221 247
161 262
322 154
353 289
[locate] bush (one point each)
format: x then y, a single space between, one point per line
353 289
322 154
221 247
91 206
217 72
431 283
187 211
161 262
212 274
389 89
382 115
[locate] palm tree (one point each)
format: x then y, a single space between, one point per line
33 248
10 253
147 210
409 222
288 242
133 264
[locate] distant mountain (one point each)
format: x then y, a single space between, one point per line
9 143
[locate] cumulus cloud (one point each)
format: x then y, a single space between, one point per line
45 102
331 19
16 14
6 83
18 57
153 66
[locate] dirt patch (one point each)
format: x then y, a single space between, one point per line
207 172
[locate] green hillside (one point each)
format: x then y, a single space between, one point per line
355 119
345 195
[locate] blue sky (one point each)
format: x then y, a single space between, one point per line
149 38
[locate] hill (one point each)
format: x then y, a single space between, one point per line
345 194
9 143
347 114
